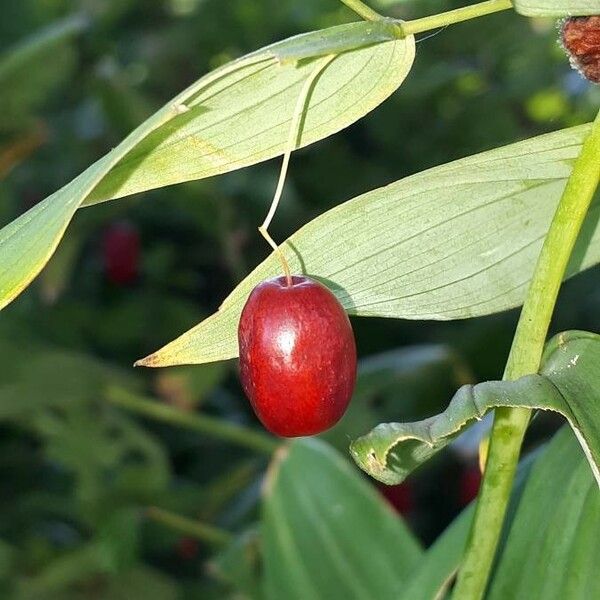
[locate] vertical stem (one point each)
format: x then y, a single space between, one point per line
525 355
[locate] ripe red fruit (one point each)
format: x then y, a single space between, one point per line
297 356
581 39
121 253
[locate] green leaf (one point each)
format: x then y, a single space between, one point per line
457 241
568 383
236 116
239 566
551 549
327 534
556 8
544 475
438 567
118 540
240 114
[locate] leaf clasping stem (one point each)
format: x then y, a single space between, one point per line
292 142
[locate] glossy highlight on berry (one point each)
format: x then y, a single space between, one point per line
297 356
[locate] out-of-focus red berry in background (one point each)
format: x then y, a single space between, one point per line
470 480
401 497
121 253
187 548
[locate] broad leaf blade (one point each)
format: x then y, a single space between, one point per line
556 8
326 533
568 383
544 474
456 241
440 563
552 548
236 116
243 115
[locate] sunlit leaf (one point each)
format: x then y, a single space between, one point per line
557 8
327 534
456 241
235 116
568 383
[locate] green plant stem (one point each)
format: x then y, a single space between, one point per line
453 16
362 10
525 355
236 434
191 527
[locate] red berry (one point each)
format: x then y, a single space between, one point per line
581 39
121 253
297 356
187 548
400 496
470 480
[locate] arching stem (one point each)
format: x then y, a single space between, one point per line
291 144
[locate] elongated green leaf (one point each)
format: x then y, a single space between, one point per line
28 242
543 481
568 383
240 115
552 547
326 533
557 8
456 241
438 567
236 116
440 564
